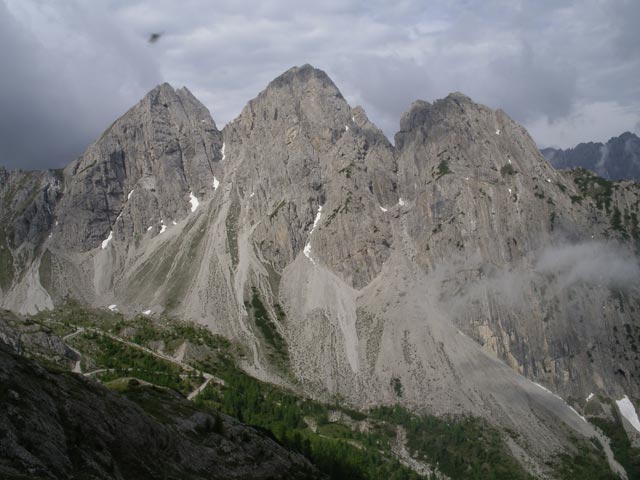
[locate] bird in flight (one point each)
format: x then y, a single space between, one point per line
154 37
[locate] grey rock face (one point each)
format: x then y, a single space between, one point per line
311 150
140 171
30 338
59 425
27 206
486 215
141 177
618 159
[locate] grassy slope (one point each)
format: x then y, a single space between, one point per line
358 447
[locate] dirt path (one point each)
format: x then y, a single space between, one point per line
200 389
77 369
399 448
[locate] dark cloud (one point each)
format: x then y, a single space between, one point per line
59 89
566 69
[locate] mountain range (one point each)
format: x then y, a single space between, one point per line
452 272
618 159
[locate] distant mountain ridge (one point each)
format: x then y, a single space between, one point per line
618 159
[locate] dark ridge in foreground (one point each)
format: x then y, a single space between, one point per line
58 425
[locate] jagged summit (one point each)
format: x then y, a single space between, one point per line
158 152
303 75
302 96
455 112
625 136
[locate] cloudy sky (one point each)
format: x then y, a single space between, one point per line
567 70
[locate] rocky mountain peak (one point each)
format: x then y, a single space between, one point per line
491 136
301 99
304 74
142 169
302 83
628 136
300 146
178 103
164 88
412 119
455 110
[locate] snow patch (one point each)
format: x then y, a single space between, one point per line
216 183
222 151
56 222
548 180
252 194
353 118
509 160
498 131
129 194
509 191
113 307
149 229
194 201
317 219
591 395
147 312
163 228
401 202
107 240
173 222
307 252
346 128
307 247
628 411
382 208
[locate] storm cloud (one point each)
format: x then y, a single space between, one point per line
567 70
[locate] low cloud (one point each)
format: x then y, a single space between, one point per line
601 264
